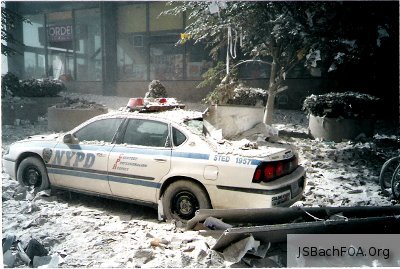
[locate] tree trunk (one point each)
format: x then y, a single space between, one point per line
272 89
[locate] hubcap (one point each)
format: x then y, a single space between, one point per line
32 177
185 205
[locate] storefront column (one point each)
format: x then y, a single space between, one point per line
109 47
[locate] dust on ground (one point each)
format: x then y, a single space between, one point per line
87 231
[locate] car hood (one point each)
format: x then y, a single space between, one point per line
51 137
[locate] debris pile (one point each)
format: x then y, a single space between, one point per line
156 90
76 103
152 104
245 235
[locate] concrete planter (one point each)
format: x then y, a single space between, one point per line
65 119
233 119
43 103
337 129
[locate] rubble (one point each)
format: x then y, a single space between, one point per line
156 90
85 231
74 103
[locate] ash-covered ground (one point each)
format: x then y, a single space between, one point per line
86 231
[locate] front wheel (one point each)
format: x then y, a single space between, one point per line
32 173
182 199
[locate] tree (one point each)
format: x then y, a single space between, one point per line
9 19
323 34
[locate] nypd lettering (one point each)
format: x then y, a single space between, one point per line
74 159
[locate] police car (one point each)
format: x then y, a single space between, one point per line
157 159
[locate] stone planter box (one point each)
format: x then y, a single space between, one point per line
43 103
65 119
337 129
233 119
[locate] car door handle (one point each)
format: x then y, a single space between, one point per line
160 160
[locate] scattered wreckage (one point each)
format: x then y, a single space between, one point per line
159 159
262 232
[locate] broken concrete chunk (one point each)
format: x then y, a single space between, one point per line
34 248
143 255
235 252
201 250
46 261
8 259
44 193
355 191
261 251
7 242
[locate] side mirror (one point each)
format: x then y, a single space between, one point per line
70 139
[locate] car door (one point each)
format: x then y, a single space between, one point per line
83 165
140 160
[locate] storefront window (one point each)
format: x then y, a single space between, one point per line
163 22
33 38
33 31
132 42
198 61
60 48
88 45
254 70
166 61
34 65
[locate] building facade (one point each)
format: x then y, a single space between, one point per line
117 48
111 48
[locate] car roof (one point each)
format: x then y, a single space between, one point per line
178 116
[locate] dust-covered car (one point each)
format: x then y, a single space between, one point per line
158 159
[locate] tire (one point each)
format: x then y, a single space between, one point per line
396 183
182 199
385 177
32 173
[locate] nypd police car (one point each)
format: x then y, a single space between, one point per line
159 160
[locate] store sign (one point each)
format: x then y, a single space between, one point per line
59 33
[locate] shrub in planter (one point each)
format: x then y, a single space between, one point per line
9 84
337 116
248 96
40 88
348 105
12 86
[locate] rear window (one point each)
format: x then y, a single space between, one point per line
178 137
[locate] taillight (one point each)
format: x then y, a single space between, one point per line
268 171
279 169
257 175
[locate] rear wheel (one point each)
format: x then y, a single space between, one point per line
32 173
396 183
386 174
182 199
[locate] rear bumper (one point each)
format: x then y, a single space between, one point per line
9 167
